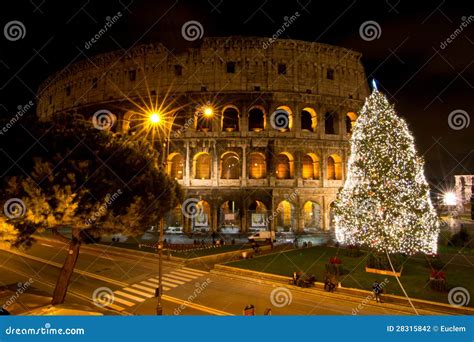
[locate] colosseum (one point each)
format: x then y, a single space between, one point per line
258 137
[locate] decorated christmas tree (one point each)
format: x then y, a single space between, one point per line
385 203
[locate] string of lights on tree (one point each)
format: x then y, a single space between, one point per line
385 203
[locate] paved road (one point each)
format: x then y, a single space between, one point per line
132 279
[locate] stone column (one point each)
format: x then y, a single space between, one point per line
187 167
214 218
243 177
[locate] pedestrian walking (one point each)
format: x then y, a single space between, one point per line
377 290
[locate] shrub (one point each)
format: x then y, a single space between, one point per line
380 261
352 251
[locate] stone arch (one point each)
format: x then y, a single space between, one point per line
202 165
309 119
230 166
230 119
257 120
351 118
285 166
312 216
282 118
229 217
334 167
175 165
257 165
310 166
258 216
202 220
331 123
285 216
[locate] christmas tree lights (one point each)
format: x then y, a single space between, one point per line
385 202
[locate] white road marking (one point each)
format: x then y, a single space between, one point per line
45 244
147 295
153 280
129 296
144 288
123 301
183 277
179 282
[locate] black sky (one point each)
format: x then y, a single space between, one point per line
425 82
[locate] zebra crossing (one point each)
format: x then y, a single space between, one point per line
131 295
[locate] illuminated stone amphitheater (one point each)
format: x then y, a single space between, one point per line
259 137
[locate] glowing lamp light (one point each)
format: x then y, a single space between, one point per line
208 110
449 198
155 118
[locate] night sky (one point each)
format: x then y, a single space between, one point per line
425 80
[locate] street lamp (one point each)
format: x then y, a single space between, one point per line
156 120
449 198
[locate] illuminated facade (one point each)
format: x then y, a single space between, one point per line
249 169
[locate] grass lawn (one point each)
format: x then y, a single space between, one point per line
459 271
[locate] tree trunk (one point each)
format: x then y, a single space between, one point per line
62 284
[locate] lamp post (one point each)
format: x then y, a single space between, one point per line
450 200
155 119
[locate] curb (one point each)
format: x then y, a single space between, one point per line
352 293
119 250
